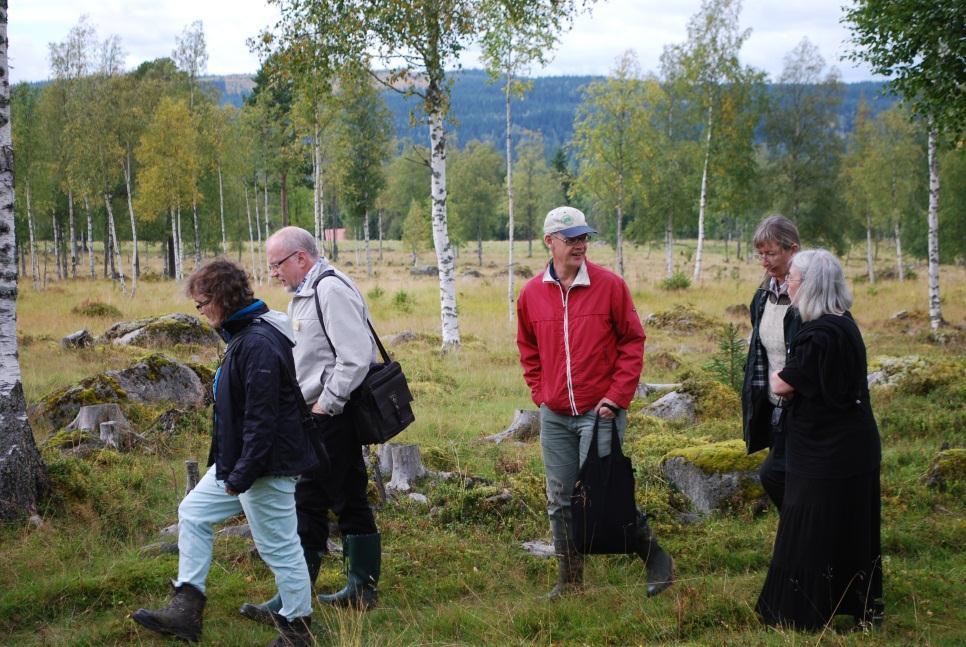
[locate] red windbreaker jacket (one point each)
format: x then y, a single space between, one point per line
581 345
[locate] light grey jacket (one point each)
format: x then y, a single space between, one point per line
322 376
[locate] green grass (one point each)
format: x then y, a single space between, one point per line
454 572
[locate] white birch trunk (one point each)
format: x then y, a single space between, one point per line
176 255
258 230
23 476
73 233
620 225
194 216
221 210
379 226
53 220
900 266
702 203
135 256
112 231
265 192
444 250
669 246
317 188
251 238
90 237
510 292
365 229
869 256
34 263
935 307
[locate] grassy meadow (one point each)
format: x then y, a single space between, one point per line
454 572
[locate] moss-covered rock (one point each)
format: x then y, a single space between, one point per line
682 318
947 470
713 399
916 375
715 476
60 407
165 331
151 379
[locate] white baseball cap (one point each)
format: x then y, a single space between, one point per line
567 222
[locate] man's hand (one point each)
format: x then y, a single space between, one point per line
605 412
230 492
318 410
780 386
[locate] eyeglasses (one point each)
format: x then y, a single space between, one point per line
769 255
199 306
275 266
570 241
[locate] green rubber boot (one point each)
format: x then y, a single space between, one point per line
363 558
659 565
266 612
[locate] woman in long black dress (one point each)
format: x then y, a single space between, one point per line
827 558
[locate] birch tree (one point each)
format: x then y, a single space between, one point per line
168 157
859 173
475 183
366 130
191 56
23 475
516 35
919 46
535 187
611 131
415 41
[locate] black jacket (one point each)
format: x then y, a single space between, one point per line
755 416
257 427
831 430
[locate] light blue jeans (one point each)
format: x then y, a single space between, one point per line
269 506
565 442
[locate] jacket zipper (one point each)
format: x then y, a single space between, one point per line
565 297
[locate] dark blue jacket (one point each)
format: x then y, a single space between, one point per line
257 426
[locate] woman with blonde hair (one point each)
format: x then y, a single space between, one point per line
827 556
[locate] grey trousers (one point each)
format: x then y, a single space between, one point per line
565 442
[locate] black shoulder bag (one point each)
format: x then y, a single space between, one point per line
311 424
381 406
604 515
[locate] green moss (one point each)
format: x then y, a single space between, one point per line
61 406
155 364
713 400
684 318
948 469
67 438
716 458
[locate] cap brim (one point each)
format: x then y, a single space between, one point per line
579 230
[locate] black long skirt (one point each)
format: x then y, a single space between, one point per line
828 555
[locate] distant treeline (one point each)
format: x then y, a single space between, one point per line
548 108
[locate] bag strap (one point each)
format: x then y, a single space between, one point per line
318 309
615 441
289 372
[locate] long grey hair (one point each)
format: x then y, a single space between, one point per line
823 289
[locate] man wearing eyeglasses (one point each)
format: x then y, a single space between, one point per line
582 350
332 357
774 324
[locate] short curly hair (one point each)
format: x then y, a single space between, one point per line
224 282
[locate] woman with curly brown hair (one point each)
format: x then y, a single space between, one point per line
258 449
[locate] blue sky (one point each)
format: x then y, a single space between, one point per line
148 29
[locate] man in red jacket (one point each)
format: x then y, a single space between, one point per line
582 350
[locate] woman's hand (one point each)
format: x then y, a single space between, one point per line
780 386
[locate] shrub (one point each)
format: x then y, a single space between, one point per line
375 293
90 308
677 281
403 301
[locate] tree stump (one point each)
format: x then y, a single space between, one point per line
110 434
407 466
92 415
193 477
525 426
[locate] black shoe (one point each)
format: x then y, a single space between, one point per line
363 559
293 633
181 618
659 565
